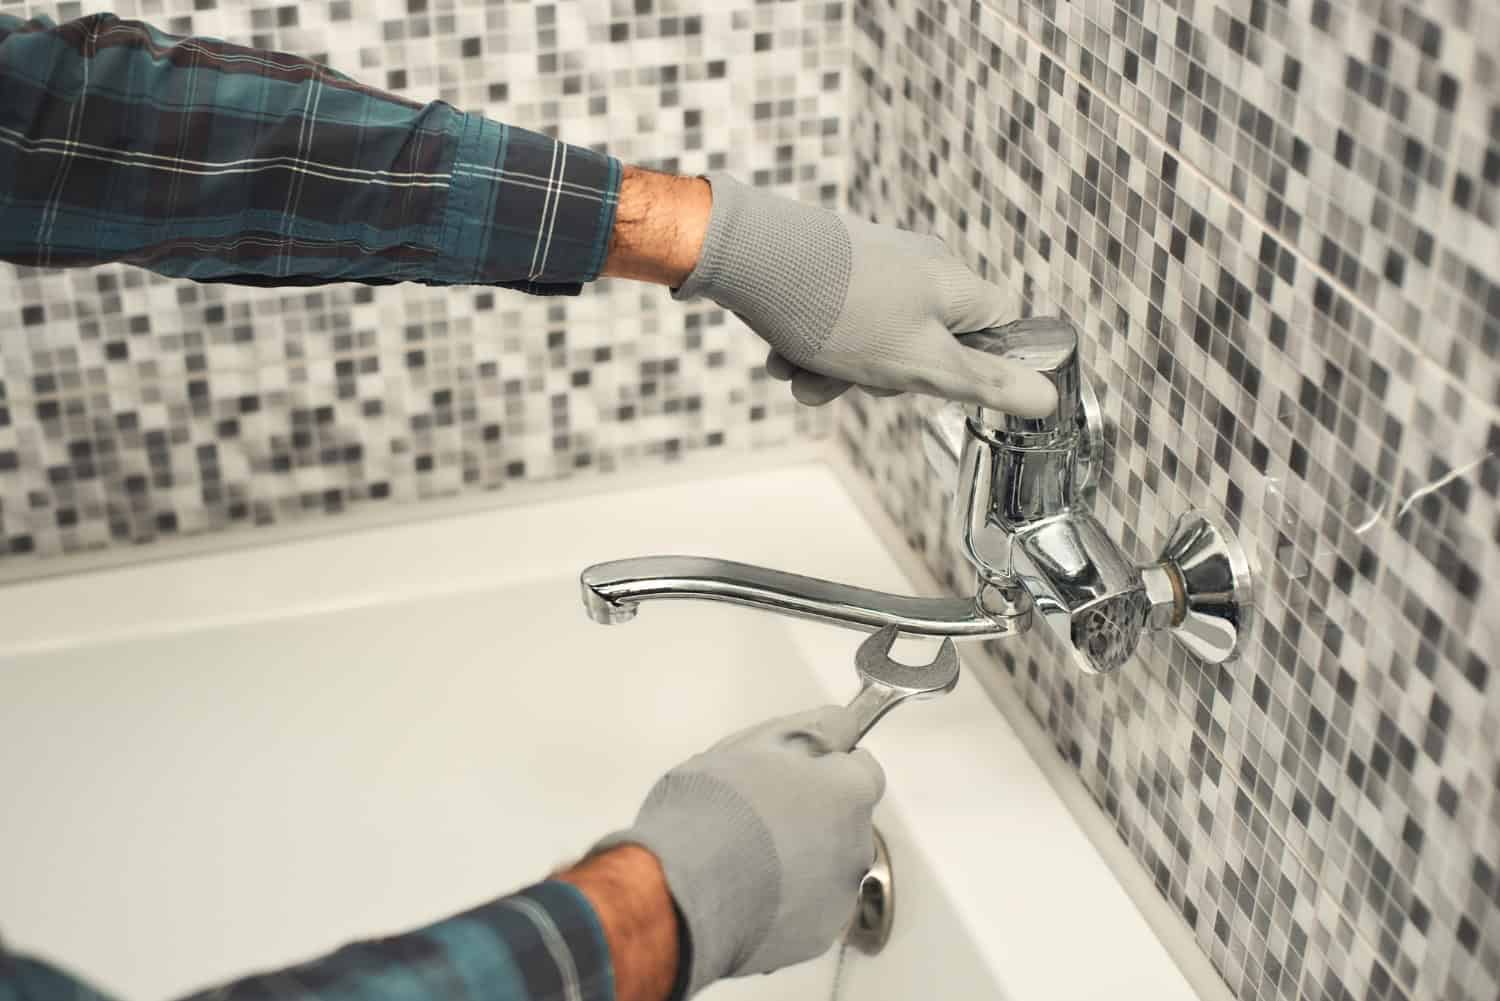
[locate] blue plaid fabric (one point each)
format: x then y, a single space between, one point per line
200 159
542 944
204 160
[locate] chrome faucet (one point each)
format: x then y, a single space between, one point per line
613 591
1024 497
1022 494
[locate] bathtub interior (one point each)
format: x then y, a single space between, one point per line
191 805
235 760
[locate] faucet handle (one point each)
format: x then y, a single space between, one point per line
1049 345
1200 588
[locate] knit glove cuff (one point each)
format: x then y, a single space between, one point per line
721 867
781 266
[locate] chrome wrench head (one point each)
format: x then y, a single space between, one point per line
886 684
926 681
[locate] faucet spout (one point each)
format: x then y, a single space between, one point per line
613 592
1085 588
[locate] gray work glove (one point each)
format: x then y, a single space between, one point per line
845 301
764 839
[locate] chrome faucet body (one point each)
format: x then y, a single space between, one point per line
1025 488
1023 491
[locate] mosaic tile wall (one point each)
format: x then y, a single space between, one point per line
1275 222
134 408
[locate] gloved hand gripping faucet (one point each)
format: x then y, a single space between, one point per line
842 301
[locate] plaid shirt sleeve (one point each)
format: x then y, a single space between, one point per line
200 159
541 944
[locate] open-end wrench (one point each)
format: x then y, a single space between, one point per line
887 683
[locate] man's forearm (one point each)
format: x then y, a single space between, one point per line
660 223
292 174
628 891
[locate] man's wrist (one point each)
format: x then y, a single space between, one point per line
628 891
660 224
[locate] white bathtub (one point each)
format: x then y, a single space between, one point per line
229 762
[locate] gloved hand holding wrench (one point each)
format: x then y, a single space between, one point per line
766 836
